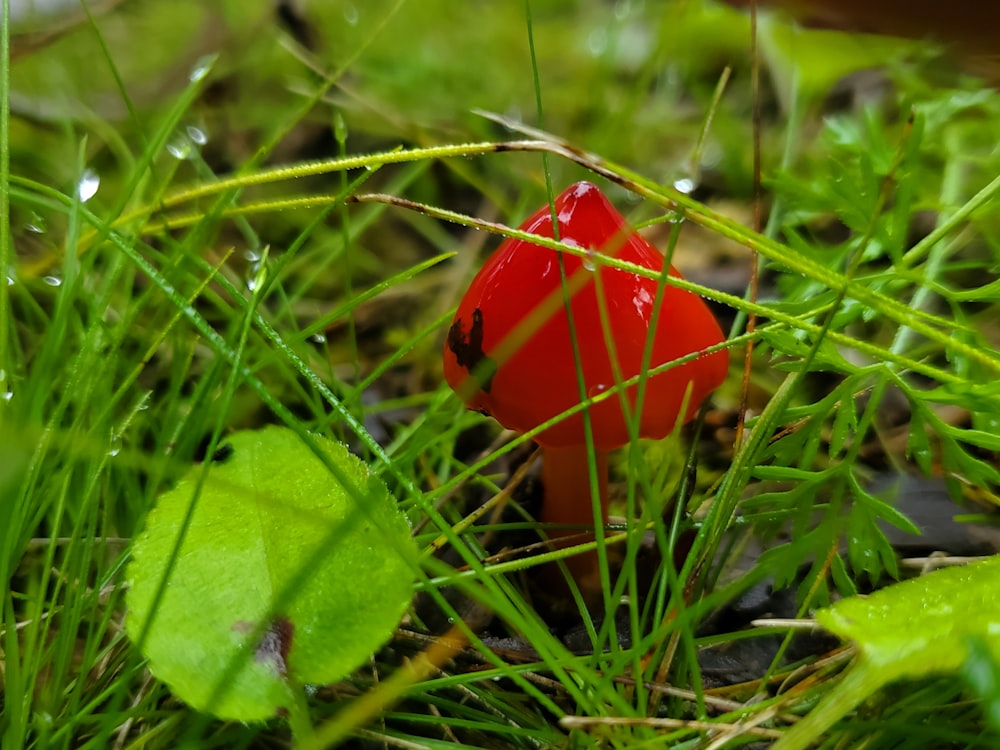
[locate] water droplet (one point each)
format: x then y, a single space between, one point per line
115 445
319 338
674 216
260 278
254 270
11 278
36 224
672 76
684 185
588 262
86 188
196 134
597 390
350 14
252 255
180 147
52 280
597 42
6 396
202 68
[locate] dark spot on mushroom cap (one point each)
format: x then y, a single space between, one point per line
223 454
468 350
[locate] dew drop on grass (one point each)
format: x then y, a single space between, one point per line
52 280
36 224
201 68
196 134
115 445
684 185
597 390
351 14
86 188
597 42
180 147
184 144
256 274
319 338
253 277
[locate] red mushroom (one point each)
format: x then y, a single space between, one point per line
509 353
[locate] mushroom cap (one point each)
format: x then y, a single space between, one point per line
509 354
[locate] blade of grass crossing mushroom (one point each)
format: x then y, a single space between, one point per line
595 465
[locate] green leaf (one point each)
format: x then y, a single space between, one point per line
845 426
788 474
293 569
920 626
976 437
912 629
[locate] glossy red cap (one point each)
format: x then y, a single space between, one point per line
509 354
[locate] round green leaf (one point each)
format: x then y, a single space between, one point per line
921 626
292 570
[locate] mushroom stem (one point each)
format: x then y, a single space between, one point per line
567 502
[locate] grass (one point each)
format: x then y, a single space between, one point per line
240 264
